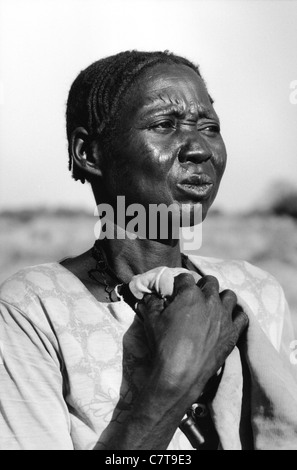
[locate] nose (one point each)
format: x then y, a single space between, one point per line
195 150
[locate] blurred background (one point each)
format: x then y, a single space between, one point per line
246 50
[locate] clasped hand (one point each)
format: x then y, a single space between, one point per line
192 332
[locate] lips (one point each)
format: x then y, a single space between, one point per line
197 180
196 186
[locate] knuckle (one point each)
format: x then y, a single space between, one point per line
229 295
187 278
212 280
185 281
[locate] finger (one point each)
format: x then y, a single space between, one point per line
183 282
151 304
209 286
240 320
229 299
196 276
177 271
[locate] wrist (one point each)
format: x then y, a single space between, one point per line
173 389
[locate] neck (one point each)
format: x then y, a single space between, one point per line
130 257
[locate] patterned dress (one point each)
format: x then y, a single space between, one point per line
70 366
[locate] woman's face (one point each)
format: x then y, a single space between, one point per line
168 146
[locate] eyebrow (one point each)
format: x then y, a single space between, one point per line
158 107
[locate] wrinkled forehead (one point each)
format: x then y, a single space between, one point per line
167 84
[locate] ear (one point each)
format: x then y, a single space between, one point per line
86 156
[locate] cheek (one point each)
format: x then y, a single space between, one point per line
150 157
220 159
138 169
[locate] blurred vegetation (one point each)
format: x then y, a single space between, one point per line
287 205
266 238
28 214
282 199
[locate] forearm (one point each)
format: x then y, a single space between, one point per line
155 416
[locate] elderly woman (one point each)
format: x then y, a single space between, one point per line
133 344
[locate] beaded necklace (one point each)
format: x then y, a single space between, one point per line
102 269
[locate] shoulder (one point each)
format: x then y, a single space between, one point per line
257 290
243 277
235 272
39 293
50 297
28 283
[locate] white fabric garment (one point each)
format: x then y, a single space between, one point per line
70 365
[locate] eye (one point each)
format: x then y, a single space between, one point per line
211 129
162 125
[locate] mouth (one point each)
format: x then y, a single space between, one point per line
196 186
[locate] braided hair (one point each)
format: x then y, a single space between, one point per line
96 95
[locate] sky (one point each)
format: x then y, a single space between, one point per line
246 50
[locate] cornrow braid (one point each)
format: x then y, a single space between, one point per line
97 94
